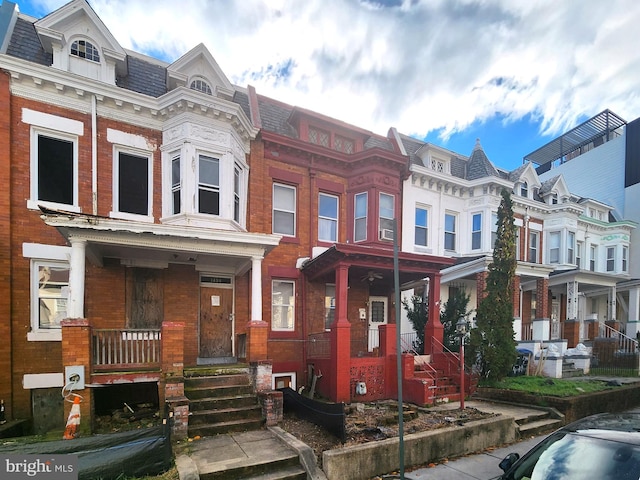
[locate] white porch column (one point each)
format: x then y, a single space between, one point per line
256 289
75 308
572 300
633 324
541 329
611 314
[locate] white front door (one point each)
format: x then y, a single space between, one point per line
377 317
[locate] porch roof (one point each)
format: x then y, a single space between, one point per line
154 245
412 266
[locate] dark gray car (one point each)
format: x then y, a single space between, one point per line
603 447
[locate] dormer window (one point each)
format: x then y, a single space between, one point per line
524 190
554 198
319 137
85 49
201 85
342 144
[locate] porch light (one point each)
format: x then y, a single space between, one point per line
461 330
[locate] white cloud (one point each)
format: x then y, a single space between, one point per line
419 66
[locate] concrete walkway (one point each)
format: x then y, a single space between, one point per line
221 452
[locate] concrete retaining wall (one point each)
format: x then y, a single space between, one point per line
361 462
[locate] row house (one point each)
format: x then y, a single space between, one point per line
125 240
572 252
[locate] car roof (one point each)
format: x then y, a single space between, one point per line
619 422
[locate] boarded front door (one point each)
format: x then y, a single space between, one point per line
216 322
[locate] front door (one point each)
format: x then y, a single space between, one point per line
216 322
377 317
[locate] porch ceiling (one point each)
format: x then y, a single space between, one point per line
362 259
157 245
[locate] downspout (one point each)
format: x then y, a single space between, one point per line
94 156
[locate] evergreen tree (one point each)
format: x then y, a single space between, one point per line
455 308
417 309
492 347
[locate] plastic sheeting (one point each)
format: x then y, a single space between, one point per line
133 453
329 416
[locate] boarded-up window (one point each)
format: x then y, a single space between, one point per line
145 295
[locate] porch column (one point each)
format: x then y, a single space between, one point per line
75 307
256 289
341 340
517 308
434 329
633 323
541 324
611 314
572 300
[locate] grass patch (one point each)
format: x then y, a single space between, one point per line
555 387
171 474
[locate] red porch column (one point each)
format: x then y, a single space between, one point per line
257 341
542 298
341 341
76 350
387 339
434 329
171 387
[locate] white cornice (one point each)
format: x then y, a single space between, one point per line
69 90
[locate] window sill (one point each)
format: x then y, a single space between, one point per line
293 240
132 216
44 336
36 204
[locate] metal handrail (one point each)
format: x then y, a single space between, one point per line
626 343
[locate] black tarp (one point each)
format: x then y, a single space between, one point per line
134 453
329 416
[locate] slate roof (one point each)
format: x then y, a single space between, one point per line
479 165
375 141
144 77
275 116
514 175
242 99
547 184
26 45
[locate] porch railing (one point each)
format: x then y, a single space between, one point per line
124 349
625 343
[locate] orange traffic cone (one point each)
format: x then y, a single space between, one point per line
73 422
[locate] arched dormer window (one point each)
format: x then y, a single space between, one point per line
85 49
201 85
524 189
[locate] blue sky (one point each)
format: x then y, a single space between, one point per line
513 74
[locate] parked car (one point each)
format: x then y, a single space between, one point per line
604 446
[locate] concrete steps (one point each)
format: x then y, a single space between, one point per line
536 423
569 370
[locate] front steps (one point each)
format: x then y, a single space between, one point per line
536 424
221 400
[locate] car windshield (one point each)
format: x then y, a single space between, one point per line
575 456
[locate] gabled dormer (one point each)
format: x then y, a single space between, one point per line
80 43
198 70
555 191
525 181
435 158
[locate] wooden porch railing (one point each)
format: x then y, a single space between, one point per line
125 349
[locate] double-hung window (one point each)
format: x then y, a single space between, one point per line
554 247
176 185
284 209
625 258
329 305
208 185
50 290
579 253
449 232
422 227
533 247
494 230
571 242
132 183
56 164
237 177
386 215
476 231
611 259
593 256
283 305
360 216
327 218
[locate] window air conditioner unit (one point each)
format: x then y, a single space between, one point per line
386 234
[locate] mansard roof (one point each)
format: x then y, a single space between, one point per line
479 166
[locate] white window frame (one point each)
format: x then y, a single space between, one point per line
554 248
116 213
276 376
238 184
524 190
41 254
625 258
424 227
288 211
210 187
364 217
451 233
579 253
476 232
534 247
611 259
34 202
593 257
494 231
176 187
571 247
328 220
385 222
290 307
